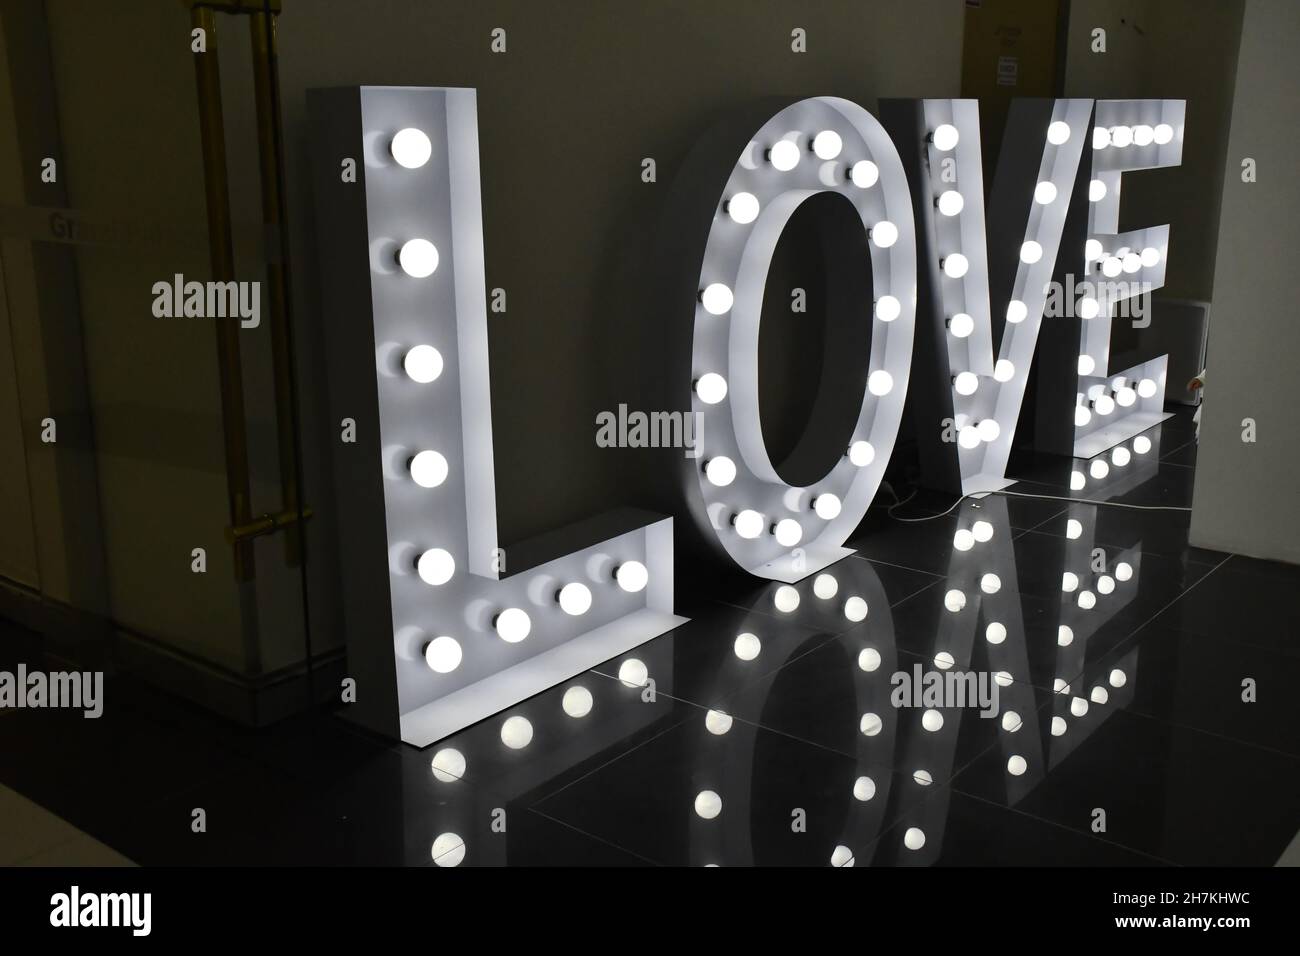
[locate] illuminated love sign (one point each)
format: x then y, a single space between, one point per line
444 626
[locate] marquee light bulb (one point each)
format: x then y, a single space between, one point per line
1150 257
1104 405
963 540
1162 134
1126 396
945 137
428 469
411 148
1045 193
1111 266
435 566
1087 365
1131 262
1069 581
855 609
950 202
448 850
825 586
1004 370
1077 481
633 673
982 530
990 583
864 174
422 364
631 576
717 722
747 646
880 382
1099 469
1105 584
1017 765
1073 528
1146 388
574 599
1087 600
1017 311
788 532
720 471
1123 571
827 144
861 453
577 701
932 720
1089 308
966 383
954 266
711 388
1143 135
864 788
1058 133
988 430
742 208
442 654
516 732
954 600
1093 250
786 599
748 523
1141 445
418 258
888 308
448 765
513 624
884 234
1121 136
716 298
827 506
1100 137
995 633
961 325
1030 252
1096 191
968 437
784 155
1081 416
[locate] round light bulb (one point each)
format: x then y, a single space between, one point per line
1099 469
516 732
428 469
827 144
1104 405
1081 416
1093 250
914 838
1143 135
1045 193
955 265
1150 257
743 208
435 566
784 155
1031 252
575 598
966 383
1089 308
869 660
1058 132
988 430
422 364
961 325
749 523
1087 365
982 530
1132 262
448 850
1077 481
884 234
1111 266
1004 370
864 174
1017 311
880 382
870 725
717 722
990 583
442 654
716 299
513 625
888 308
418 258
932 721
411 148
861 453
968 437
827 506
448 765
825 586
1142 444
1126 396
788 533
1100 137
1162 134
747 646
785 599
577 701
950 202
963 540
1121 136
1096 191
1064 635
1073 528
633 673
631 576
1146 388
944 137
855 609
711 388
720 471
954 600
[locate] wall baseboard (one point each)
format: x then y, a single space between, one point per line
88 642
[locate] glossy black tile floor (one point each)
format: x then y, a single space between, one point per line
1121 657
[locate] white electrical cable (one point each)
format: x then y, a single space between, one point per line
1023 494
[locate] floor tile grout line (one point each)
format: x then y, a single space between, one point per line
592 836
